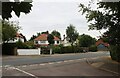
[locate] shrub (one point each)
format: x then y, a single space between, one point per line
57 49
45 50
114 52
21 45
93 48
9 49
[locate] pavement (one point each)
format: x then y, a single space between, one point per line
105 63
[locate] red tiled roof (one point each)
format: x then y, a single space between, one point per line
44 37
101 42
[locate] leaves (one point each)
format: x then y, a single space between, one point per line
50 39
17 7
72 34
108 18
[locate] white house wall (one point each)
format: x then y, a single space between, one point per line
46 42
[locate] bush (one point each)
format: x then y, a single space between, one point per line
45 50
9 49
93 48
115 52
57 49
21 45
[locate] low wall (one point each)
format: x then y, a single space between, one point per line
28 51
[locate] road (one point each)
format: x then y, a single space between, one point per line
56 65
21 60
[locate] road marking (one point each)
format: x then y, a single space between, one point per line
7 66
70 60
24 66
25 72
51 63
59 62
42 64
65 61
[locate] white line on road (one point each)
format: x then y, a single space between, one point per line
24 66
59 62
70 60
25 72
42 64
65 61
51 63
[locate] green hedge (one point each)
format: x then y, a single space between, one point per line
115 52
93 48
9 49
66 49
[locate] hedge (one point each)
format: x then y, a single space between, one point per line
9 49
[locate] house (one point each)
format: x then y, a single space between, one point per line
18 37
42 40
101 45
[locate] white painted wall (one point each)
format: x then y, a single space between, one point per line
28 51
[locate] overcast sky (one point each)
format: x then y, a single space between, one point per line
54 15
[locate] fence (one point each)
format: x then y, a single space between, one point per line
28 51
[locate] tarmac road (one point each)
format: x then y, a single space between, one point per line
78 67
23 60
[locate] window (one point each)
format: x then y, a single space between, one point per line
42 41
57 42
36 42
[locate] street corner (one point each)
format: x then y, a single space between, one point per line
98 64
106 64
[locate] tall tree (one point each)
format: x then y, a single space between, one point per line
86 40
56 33
9 31
17 7
50 39
108 18
72 34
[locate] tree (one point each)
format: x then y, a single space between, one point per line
56 33
33 37
9 31
17 7
50 39
86 40
47 32
108 18
72 34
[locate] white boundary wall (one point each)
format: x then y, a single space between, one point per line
28 51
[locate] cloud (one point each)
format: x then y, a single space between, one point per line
53 16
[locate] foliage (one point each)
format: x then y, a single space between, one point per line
72 34
93 48
108 18
56 33
46 32
17 7
30 44
21 45
86 40
57 49
115 52
45 50
50 39
32 38
9 30
105 19
9 49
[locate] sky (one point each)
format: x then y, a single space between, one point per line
49 15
